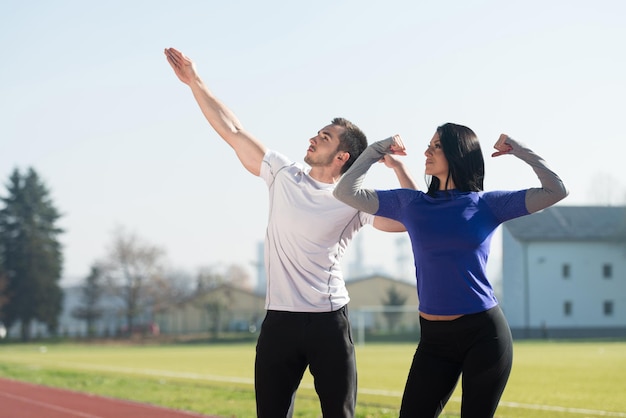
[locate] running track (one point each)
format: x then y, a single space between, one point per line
26 400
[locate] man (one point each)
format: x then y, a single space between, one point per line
306 322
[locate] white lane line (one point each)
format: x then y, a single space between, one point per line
562 409
49 406
365 391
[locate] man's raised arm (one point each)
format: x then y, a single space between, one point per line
249 150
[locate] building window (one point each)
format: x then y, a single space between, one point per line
567 308
566 271
608 308
607 271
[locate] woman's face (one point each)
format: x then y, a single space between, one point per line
436 162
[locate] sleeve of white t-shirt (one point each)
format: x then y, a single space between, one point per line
366 218
272 163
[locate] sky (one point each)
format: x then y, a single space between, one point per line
89 101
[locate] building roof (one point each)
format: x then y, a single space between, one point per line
377 276
571 223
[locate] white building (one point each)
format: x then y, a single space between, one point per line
564 273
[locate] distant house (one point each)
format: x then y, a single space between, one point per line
564 273
229 308
370 307
374 290
109 323
563 276
224 308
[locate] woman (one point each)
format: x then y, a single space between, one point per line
463 330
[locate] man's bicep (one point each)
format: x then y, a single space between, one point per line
250 151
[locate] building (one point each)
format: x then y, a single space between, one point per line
563 276
564 273
374 291
225 308
371 308
109 324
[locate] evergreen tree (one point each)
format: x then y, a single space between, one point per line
91 292
30 253
394 300
4 297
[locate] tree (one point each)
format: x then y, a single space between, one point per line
30 253
4 297
217 304
173 287
91 292
216 307
134 273
213 276
394 300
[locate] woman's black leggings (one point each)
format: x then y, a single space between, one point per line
478 346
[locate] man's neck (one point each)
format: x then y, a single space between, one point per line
324 175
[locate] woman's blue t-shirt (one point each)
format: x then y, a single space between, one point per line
451 235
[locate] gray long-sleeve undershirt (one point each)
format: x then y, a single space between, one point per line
349 189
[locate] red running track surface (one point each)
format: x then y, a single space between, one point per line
27 400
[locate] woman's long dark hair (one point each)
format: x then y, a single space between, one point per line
465 158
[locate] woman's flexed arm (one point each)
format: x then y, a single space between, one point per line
552 188
349 188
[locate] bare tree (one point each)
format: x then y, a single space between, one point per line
214 276
170 288
134 272
217 305
606 190
237 276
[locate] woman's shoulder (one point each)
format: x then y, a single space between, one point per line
506 204
401 197
500 194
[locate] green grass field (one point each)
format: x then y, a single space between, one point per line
549 379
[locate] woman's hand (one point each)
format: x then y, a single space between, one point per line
397 147
502 145
391 161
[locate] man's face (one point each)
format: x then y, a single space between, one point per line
324 146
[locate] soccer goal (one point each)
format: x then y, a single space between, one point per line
385 323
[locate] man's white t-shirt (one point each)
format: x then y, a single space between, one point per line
307 234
